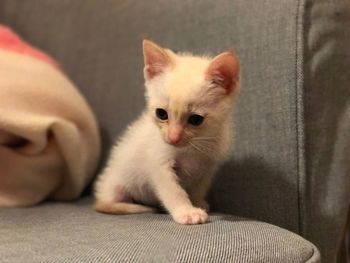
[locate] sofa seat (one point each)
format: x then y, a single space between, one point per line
73 232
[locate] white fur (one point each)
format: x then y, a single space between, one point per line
145 169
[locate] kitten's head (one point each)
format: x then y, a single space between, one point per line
189 97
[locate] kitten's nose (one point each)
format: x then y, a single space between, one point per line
174 135
174 138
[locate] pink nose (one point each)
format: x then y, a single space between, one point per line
174 138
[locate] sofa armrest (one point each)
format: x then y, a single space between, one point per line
325 124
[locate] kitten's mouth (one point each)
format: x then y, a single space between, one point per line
176 144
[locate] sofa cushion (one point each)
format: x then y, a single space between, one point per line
73 232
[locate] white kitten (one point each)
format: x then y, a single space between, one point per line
171 153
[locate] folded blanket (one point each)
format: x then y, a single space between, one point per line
49 141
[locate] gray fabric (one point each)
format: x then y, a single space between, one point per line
99 45
326 187
289 167
75 233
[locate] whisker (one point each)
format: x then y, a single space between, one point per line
199 149
205 138
187 172
194 146
207 147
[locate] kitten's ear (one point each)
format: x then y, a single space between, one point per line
223 71
156 59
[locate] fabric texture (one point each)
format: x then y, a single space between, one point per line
290 165
49 142
326 98
76 233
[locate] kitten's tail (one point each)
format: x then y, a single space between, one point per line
122 208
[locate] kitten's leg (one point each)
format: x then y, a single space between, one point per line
175 198
112 198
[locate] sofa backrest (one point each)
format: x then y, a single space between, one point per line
98 44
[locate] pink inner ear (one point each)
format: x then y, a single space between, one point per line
223 79
224 71
152 71
155 58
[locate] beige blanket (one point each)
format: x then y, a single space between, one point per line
49 141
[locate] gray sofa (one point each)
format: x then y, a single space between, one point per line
290 169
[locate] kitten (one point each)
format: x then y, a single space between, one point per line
171 153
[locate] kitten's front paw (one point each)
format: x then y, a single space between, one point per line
191 216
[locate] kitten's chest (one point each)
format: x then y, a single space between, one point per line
190 168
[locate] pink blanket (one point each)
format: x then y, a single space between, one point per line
49 141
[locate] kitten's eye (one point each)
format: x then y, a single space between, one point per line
162 114
195 119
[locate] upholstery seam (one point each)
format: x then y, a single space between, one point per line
314 255
299 111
